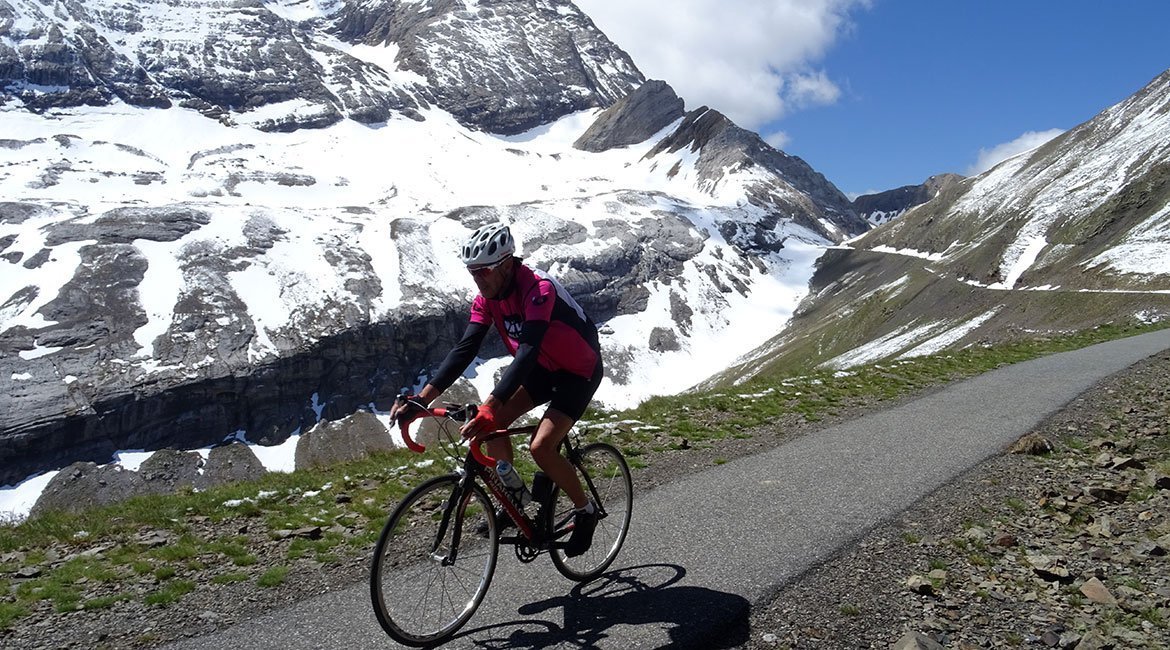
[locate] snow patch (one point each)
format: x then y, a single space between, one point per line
949 337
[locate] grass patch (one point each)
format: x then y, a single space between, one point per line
10 613
229 578
637 463
184 549
273 577
234 550
170 594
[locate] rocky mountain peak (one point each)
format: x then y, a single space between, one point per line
884 206
634 118
503 66
784 186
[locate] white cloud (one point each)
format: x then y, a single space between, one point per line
812 89
852 196
778 139
753 60
989 158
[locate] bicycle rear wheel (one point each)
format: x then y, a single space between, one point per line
603 466
423 592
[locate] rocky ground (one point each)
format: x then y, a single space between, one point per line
1064 549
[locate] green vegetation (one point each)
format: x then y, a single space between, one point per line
266 514
11 612
815 395
103 601
229 578
273 577
170 593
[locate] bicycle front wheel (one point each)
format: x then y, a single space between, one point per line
434 561
606 479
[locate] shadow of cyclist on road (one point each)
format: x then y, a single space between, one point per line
644 595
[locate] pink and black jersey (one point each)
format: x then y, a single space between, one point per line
548 334
569 344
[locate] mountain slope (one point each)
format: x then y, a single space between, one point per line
730 163
1094 199
1065 237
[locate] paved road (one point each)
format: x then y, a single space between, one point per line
702 549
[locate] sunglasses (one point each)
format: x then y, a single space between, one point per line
484 271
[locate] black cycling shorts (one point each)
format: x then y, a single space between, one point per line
567 392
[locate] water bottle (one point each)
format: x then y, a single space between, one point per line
513 482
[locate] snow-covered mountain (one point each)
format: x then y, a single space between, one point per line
225 217
1087 210
1071 235
278 65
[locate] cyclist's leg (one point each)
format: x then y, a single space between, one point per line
546 451
554 426
520 403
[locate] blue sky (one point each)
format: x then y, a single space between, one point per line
876 94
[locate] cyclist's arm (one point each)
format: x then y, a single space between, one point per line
531 335
457 360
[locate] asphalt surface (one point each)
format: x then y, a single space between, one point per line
701 550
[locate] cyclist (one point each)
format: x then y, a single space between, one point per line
557 359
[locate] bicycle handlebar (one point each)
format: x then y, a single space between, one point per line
458 413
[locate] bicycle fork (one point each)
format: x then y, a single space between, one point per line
452 508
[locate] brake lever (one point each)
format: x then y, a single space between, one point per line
460 412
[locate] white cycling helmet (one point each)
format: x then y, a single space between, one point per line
488 245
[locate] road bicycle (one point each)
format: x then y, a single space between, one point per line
437 554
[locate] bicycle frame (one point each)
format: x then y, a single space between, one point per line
479 464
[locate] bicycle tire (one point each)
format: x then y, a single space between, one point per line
418 600
607 469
